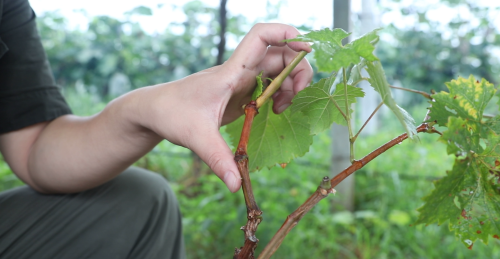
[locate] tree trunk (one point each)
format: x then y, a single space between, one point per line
222 33
369 22
197 165
340 134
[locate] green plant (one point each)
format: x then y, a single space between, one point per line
467 197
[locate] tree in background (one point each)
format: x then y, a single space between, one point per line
426 53
113 51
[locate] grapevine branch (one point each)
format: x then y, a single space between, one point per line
293 219
326 188
253 212
241 157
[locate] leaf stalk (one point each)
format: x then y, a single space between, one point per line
366 122
424 94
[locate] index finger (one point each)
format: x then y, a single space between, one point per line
253 48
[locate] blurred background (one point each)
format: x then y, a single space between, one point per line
101 49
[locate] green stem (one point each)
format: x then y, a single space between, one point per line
348 117
276 83
338 108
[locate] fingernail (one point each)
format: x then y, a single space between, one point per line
283 107
231 181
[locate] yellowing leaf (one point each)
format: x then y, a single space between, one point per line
468 196
467 99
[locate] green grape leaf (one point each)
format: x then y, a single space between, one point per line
468 198
329 53
318 104
274 139
463 139
379 82
259 88
326 35
492 124
356 73
467 98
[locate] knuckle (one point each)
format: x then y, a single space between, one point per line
214 161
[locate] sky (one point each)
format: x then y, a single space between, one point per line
295 12
315 14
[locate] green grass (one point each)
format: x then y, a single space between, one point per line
387 193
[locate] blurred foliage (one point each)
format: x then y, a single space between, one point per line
114 56
429 52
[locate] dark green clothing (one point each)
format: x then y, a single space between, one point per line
132 216
135 215
28 93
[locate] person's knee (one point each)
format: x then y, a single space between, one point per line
143 188
152 205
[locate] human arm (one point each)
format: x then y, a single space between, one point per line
72 153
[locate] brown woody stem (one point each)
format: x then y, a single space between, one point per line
241 157
358 164
253 212
293 219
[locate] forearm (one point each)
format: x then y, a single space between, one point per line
71 154
74 153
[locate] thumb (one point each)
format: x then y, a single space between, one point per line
214 151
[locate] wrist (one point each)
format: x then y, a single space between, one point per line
130 113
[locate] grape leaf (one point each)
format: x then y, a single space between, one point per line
356 73
274 139
463 139
467 98
329 53
379 82
318 104
468 196
468 199
259 88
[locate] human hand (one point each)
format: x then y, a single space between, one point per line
190 111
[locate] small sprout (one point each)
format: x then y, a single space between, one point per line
259 88
325 183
